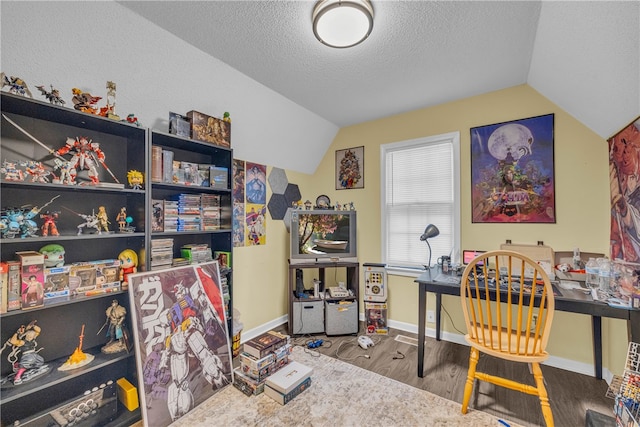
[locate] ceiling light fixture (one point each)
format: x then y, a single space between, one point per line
342 23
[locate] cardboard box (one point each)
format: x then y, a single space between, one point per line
14 286
32 273
376 317
4 282
289 377
210 129
179 125
56 282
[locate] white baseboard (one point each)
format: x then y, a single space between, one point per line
252 333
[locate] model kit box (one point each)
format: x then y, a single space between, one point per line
218 177
376 316
4 282
210 129
179 125
32 273
14 286
246 384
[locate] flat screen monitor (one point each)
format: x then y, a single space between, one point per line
323 235
468 256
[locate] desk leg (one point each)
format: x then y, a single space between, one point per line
596 325
634 326
422 309
438 312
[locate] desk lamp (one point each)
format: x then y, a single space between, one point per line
429 232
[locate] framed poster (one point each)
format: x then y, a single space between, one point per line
624 174
512 172
182 342
350 168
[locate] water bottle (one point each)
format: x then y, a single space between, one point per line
604 270
593 274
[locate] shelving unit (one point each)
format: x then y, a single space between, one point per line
125 147
189 150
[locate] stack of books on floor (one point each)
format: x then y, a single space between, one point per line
261 357
161 253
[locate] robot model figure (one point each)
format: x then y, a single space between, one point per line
11 171
84 101
27 363
36 171
103 219
49 225
116 330
185 340
14 221
85 155
63 170
135 179
17 86
53 96
90 221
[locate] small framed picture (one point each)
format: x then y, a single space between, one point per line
350 168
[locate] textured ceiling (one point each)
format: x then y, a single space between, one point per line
420 53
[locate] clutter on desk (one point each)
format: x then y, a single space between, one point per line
625 389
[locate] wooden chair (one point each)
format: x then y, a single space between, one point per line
513 326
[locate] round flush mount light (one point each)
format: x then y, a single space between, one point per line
342 23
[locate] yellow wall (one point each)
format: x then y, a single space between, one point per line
582 201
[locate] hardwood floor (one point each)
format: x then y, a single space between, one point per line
445 368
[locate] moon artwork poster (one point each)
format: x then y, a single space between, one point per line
512 172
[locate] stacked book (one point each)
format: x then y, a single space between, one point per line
196 253
170 215
188 212
288 382
209 212
261 357
161 253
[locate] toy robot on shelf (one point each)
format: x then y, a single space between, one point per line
53 96
90 221
17 86
49 225
62 166
36 171
84 101
11 171
14 221
27 363
85 154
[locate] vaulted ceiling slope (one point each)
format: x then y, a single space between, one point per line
584 56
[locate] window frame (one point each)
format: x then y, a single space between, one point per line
452 138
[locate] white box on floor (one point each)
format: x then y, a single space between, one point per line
308 317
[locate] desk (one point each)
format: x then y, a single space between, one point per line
571 301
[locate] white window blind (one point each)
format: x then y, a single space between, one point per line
420 187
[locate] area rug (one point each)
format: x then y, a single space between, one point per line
340 395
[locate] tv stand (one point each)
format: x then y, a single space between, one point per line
311 306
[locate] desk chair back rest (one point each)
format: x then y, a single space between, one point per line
510 325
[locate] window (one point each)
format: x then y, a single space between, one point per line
420 186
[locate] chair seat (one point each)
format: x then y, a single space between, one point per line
517 354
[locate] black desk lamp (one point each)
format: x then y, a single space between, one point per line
429 232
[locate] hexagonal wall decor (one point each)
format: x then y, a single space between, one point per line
292 194
277 206
278 180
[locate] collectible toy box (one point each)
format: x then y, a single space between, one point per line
210 129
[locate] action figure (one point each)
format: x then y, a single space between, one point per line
103 219
11 171
136 179
36 170
17 86
14 221
49 225
53 255
121 219
90 221
117 332
53 96
84 101
85 155
30 364
128 265
131 118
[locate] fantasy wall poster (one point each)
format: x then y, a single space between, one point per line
183 352
624 181
512 172
350 168
238 220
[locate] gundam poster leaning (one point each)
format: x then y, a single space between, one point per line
182 342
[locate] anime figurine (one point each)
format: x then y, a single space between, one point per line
11 171
103 219
17 86
27 363
14 221
36 171
84 155
78 358
226 117
128 265
53 96
116 330
53 255
136 179
49 225
124 221
84 101
90 221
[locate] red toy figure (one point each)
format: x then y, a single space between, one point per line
128 265
85 155
36 171
84 101
50 223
